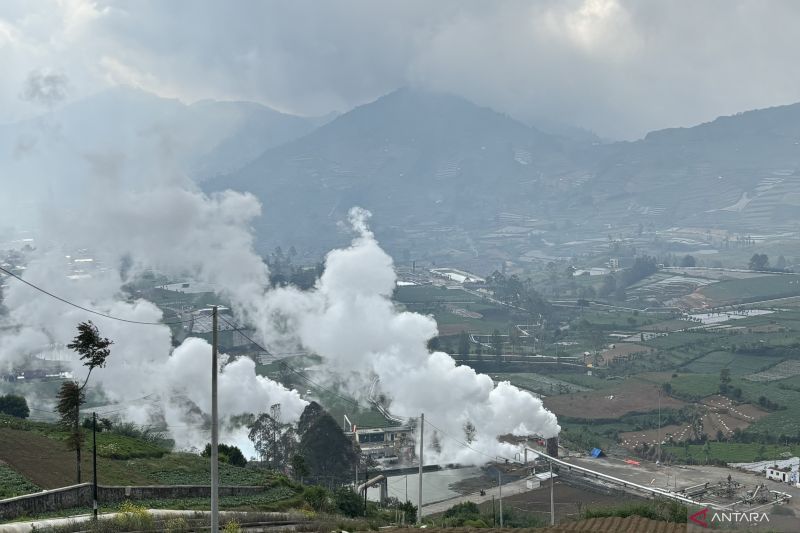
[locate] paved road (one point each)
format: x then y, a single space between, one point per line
515 487
680 476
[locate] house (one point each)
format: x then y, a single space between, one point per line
783 474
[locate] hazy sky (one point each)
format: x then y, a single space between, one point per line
617 67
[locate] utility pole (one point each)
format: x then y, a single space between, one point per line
366 487
79 438
94 465
421 447
658 457
552 498
214 427
500 493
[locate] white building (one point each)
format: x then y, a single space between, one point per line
784 474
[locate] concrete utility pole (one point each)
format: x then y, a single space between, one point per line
94 466
214 427
658 438
552 498
421 447
500 493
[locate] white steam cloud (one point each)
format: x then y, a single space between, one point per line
351 322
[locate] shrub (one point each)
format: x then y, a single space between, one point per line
232 526
176 524
227 454
318 498
13 405
348 502
133 517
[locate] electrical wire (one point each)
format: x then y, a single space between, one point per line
466 445
92 311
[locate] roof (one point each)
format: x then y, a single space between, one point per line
615 524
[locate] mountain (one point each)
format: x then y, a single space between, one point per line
740 172
416 159
55 156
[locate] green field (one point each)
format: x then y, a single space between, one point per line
37 452
419 294
109 444
739 364
13 483
540 383
694 386
733 452
753 289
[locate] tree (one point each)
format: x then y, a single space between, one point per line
780 264
724 380
299 467
497 344
227 454
274 440
469 432
759 262
329 455
70 398
463 345
688 261
348 502
94 351
14 405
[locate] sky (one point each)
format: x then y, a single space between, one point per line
619 68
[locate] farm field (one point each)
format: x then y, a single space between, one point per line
732 452
719 415
751 289
783 370
540 383
617 404
426 294
739 364
46 462
12 483
632 396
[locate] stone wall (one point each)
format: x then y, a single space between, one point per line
81 496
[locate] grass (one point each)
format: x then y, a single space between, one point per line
665 510
431 294
35 450
733 452
109 444
694 386
14 484
752 289
738 364
540 383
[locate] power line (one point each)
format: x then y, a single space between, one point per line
466 445
92 311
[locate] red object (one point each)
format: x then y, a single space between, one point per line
699 517
632 462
